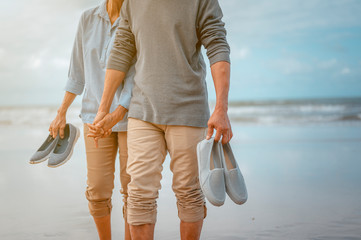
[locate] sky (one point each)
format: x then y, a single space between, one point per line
280 49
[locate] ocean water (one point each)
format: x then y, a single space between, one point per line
290 112
306 111
301 161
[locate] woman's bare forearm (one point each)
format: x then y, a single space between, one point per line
59 122
113 78
67 101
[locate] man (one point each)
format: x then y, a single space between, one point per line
169 106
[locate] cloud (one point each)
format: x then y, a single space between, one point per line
290 66
60 62
345 71
294 66
328 64
45 61
34 63
240 53
243 53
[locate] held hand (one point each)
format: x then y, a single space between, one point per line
110 120
92 127
97 132
103 128
58 125
220 121
99 117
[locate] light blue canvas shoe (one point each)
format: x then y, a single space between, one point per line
64 147
235 185
211 172
45 150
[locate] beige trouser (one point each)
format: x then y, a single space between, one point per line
147 148
101 166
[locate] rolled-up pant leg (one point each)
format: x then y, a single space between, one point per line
182 146
124 176
147 151
100 173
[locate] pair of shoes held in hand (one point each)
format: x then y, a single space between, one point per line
57 150
219 173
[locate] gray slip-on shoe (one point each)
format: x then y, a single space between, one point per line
211 172
45 150
235 185
64 147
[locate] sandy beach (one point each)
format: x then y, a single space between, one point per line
303 183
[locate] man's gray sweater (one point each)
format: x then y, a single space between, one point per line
166 37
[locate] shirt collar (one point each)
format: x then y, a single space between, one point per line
102 10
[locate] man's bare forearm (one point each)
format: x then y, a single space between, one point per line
221 74
113 118
219 119
113 78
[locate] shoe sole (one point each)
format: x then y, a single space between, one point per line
71 152
41 160
199 168
235 199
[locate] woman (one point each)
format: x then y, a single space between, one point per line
93 42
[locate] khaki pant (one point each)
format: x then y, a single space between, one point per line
101 167
147 148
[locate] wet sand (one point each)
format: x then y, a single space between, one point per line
303 183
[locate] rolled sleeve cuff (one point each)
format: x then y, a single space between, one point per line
220 57
116 63
74 87
124 100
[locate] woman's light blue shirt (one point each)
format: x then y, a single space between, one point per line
93 42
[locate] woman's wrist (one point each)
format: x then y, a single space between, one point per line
62 111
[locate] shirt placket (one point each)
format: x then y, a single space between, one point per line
108 39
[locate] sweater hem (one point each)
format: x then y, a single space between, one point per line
184 120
